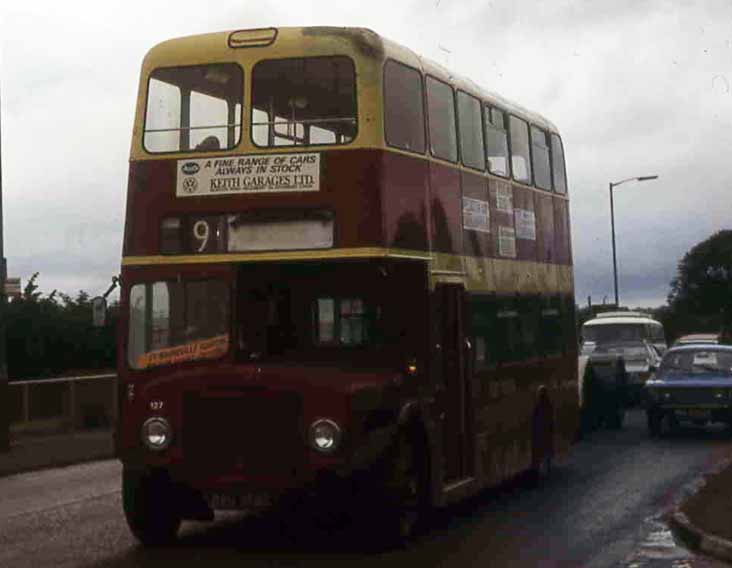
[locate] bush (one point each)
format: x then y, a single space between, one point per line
53 335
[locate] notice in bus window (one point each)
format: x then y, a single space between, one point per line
504 199
507 242
525 224
476 215
269 173
211 348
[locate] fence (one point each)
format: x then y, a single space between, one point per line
48 406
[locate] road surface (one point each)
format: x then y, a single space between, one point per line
601 508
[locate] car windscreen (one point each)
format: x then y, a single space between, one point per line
697 362
608 333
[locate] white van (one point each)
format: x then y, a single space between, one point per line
613 327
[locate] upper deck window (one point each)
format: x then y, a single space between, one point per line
520 154
194 109
441 113
403 107
496 141
304 102
540 155
471 131
559 172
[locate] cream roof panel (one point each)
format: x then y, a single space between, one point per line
317 40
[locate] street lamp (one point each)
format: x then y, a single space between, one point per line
612 226
4 404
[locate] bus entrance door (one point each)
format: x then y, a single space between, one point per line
452 382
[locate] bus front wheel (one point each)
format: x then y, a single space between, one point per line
542 444
405 490
150 508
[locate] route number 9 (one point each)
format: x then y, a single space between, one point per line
201 232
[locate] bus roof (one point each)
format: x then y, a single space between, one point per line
622 320
360 43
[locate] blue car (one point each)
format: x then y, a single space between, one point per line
693 383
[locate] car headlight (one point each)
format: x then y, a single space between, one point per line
325 436
157 433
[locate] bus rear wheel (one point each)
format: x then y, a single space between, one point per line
150 508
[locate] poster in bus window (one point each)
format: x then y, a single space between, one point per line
525 224
504 199
264 173
507 242
476 215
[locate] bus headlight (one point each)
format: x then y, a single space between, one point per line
325 435
157 433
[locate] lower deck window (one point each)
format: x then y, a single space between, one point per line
340 321
509 329
174 322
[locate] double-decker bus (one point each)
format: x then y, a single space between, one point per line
346 271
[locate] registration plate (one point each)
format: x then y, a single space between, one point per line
238 501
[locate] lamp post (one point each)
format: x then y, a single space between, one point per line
4 390
612 226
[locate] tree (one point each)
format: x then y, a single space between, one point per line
701 292
53 334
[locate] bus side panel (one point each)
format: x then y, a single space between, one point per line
523 203
404 190
545 228
446 210
477 241
501 207
561 231
150 190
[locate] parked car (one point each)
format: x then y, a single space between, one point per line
693 383
704 338
641 361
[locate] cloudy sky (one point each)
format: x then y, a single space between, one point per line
637 87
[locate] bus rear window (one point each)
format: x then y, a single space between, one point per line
174 322
304 102
194 109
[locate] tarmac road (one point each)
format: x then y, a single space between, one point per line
600 508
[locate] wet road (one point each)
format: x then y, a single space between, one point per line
601 508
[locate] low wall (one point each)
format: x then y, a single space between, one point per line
49 406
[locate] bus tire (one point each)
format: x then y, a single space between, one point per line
406 498
148 502
542 451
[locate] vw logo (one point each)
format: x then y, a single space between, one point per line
190 185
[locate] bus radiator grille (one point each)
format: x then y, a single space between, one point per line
255 433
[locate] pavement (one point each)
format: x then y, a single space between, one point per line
29 453
704 534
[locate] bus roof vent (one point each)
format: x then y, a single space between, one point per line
260 37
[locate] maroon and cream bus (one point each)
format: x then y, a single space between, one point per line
343 267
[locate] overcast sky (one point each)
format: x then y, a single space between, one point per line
636 87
